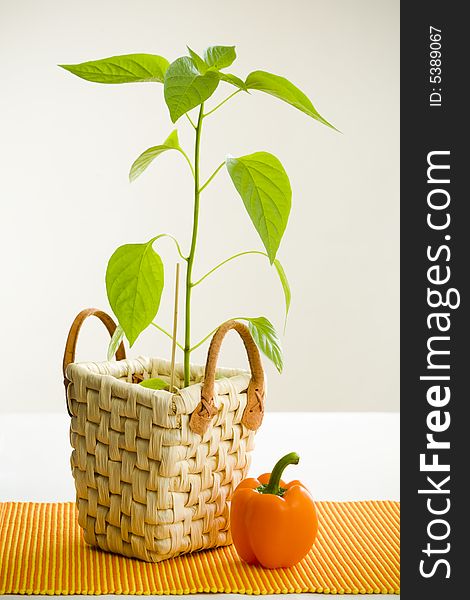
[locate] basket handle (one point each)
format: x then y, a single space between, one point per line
71 344
254 410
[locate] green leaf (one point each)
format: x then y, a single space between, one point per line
127 68
220 57
285 286
115 341
143 161
267 340
234 80
154 383
185 88
282 88
262 182
200 64
134 283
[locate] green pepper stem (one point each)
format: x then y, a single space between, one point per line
274 480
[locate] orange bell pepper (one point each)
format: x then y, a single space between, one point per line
273 523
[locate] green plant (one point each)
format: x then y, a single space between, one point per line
135 274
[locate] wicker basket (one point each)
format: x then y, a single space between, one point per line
154 470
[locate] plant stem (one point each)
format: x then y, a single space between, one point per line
204 339
167 333
274 480
223 102
189 270
212 176
190 120
215 329
226 261
178 248
188 160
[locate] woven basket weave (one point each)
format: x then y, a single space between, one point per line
154 470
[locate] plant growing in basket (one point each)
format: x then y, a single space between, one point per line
135 273
154 468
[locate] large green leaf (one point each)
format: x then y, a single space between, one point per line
282 88
262 182
267 340
220 57
134 283
198 61
285 286
185 88
143 161
127 68
115 341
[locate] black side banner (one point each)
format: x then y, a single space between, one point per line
435 333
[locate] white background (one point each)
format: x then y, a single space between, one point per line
66 204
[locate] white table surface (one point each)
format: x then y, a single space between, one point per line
344 456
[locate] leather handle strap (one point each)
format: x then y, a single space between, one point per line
254 411
72 338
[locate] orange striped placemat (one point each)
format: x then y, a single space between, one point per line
42 552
